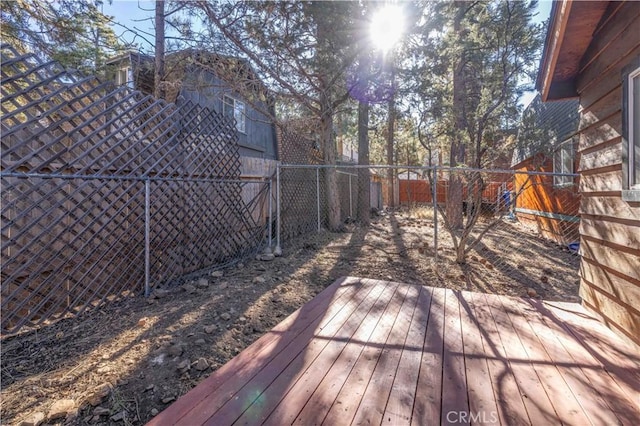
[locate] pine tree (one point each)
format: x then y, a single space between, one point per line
473 59
304 51
75 33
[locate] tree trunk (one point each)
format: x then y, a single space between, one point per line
331 178
460 254
364 179
159 51
390 142
323 31
453 205
454 192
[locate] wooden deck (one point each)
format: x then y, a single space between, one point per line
377 352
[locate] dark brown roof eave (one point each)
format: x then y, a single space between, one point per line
555 35
547 44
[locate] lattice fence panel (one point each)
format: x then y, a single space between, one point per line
298 198
83 164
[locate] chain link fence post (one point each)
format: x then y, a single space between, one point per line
147 236
434 190
350 199
270 213
318 194
278 250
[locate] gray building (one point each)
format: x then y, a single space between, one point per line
226 84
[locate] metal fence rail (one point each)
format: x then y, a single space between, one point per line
107 192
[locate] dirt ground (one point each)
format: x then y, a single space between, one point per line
124 363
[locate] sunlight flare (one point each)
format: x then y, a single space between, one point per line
387 27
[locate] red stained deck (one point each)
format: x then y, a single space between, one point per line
377 352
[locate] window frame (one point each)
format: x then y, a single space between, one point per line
231 102
561 149
128 77
630 141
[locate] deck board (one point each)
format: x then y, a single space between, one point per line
454 384
377 352
511 407
327 391
400 405
560 394
481 393
376 395
348 400
428 398
536 400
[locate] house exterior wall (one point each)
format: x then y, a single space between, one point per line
259 138
141 70
610 226
553 210
204 88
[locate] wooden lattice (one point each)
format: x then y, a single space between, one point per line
78 157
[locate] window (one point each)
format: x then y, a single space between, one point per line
631 132
233 108
124 76
563 163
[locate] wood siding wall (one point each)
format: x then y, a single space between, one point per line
537 193
259 138
610 226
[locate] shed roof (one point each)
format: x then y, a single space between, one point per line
234 71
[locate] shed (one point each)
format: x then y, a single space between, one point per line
547 142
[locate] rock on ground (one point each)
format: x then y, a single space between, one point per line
99 393
61 408
201 364
175 350
35 419
118 417
159 293
183 365
100 411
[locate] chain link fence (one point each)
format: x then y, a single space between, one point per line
503 224
108 193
